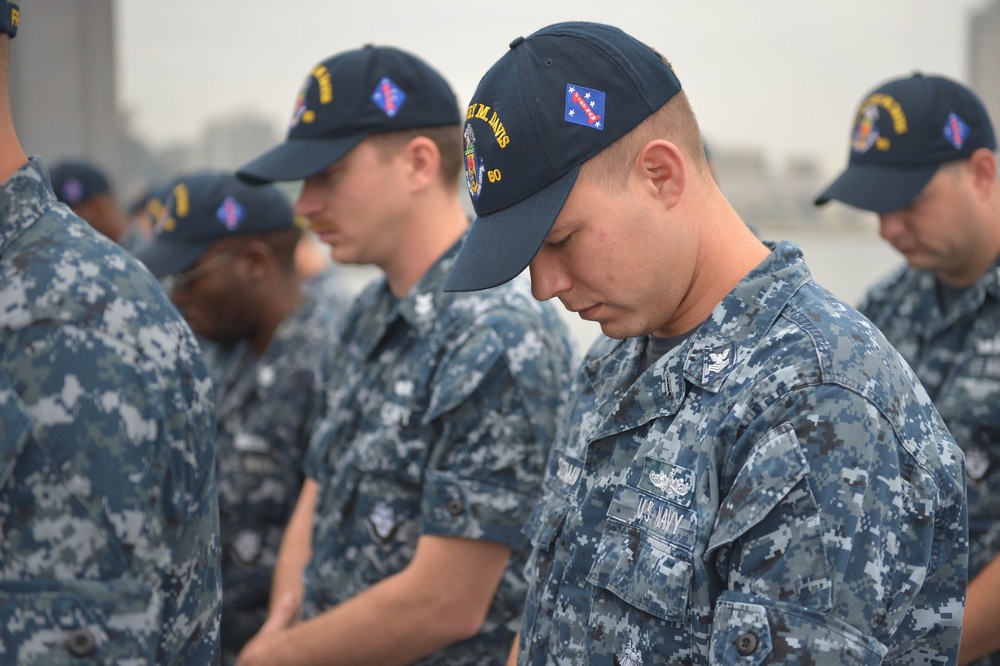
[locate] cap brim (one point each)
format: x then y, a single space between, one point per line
501 245
296 159
164 258
878 188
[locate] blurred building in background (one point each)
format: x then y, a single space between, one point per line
62 83
65 102
983 56
231 142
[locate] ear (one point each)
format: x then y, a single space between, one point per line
661 171
982 165
423 161
257 260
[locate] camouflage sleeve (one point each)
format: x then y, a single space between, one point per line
186 556
108 508
837 544
485 472
191 581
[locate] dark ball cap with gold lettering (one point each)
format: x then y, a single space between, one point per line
554 100
10 18
903 131
203 207
345 99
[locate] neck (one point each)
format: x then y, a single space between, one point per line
12 155
728 250
981 249
436 223
280 307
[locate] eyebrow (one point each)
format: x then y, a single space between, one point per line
558 228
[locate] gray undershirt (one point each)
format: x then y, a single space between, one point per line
657 346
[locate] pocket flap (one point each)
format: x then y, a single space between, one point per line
643 570
545 522
15 429
101 622
775 465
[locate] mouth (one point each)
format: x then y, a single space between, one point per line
328 237
903 245
589 313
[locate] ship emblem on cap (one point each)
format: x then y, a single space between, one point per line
866 133
473 171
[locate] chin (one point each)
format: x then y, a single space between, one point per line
341 256
618 331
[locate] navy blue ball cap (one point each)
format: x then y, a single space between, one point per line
345 99
903 131
204 207
75 181
554 100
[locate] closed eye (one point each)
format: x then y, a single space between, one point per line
561 242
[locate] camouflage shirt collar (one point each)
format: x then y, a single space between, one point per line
738 322
991 280
747 313
928 318
289 333
23 198
420 308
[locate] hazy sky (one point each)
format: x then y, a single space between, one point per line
783 75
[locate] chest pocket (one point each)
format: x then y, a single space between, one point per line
645 556
391 442
78 622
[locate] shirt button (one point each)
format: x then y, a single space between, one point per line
455 507
80 643
746 644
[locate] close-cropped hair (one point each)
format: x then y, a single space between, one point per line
447 138
674 121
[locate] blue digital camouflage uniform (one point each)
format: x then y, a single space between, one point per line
329 285
956 355
267 409
776 489
109 546
441 412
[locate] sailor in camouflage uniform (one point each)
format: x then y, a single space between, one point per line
923 157
270 341
746 472
406 545
109 526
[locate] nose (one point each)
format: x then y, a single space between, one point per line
548 279
309 202
891 225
